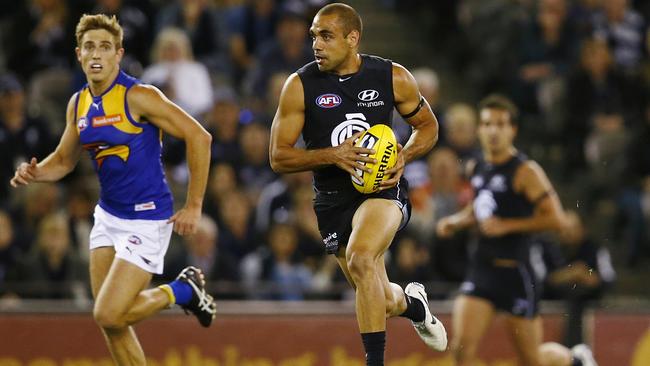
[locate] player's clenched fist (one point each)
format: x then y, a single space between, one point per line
350 158
25 173
445 228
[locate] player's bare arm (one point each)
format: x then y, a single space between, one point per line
577 272
60 162
287 126
530 180
449 225
148 103
418 114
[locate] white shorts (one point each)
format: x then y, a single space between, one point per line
141 242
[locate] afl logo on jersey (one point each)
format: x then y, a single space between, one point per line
82 123
368 95
328 100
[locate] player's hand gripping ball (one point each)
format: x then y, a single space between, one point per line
381 139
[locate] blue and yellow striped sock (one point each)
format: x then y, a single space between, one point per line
179 292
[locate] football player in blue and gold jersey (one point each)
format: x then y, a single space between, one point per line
119 122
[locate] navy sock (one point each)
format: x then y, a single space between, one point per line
374 343
575 362
414 309
182 292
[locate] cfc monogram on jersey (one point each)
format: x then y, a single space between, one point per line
338 106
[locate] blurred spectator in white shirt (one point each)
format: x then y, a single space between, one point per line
173 69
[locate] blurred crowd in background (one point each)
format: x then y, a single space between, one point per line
578 70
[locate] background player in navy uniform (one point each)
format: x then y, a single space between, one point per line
330 101
513 199
120 122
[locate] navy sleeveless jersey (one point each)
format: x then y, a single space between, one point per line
495 196
336 107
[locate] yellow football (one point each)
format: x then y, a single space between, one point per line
381 139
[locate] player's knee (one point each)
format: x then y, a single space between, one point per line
107 319
391 306
361 265
461 351
531 359
393 302
553 354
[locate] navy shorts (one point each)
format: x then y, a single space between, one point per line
335 210
514 290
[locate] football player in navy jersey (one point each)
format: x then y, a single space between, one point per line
330 101
120 122
513 199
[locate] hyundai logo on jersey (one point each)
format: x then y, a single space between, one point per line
328 100
368 95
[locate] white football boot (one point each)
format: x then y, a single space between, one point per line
431 330
583 353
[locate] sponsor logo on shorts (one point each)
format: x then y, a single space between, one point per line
145 206
82 123
107 120
520 307
467 286
148 262
328 100
134 239
331 243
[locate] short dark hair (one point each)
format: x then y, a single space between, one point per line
498 101
347 16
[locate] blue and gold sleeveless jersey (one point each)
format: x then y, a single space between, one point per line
125 154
